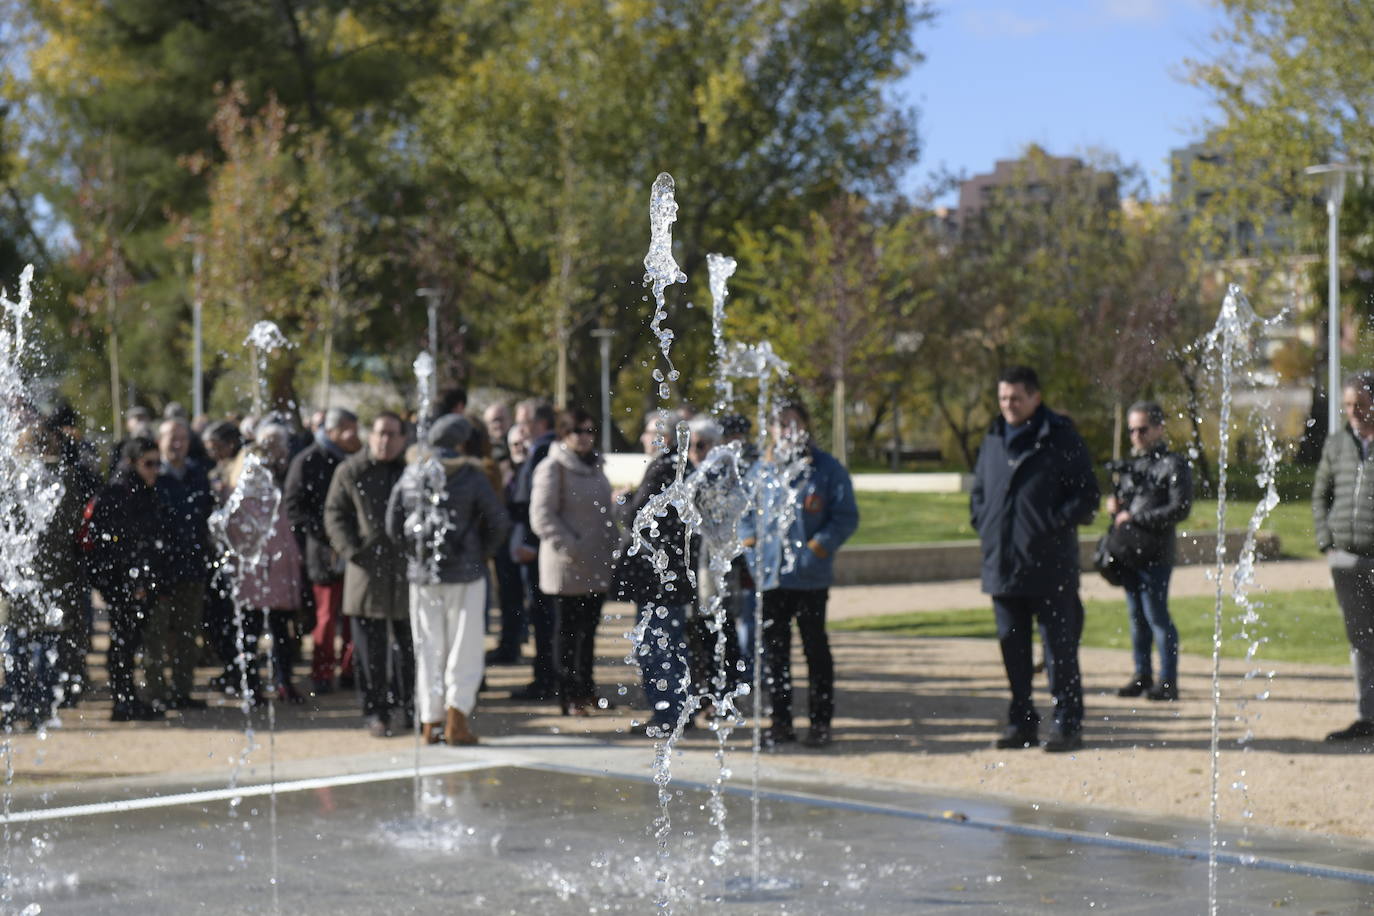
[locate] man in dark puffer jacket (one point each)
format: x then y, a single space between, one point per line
1343 517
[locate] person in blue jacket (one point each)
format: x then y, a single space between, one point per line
1033 486
826 516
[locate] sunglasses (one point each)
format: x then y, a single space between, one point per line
585 430
150 463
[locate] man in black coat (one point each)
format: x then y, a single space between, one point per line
183 485
538 418
307 483
1033 486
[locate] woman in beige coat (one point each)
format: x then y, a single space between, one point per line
570 512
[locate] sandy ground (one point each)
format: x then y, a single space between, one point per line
921 712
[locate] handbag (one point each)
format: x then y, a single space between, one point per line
1135 547
1105 563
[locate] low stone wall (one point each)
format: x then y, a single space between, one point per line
895 564
933 482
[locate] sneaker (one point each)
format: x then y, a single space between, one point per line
1016 737
1166 691
1061 741
378 727
1360 728
819 735
1136 686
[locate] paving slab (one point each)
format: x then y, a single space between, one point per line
568 826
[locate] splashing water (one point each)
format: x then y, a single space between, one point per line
30 495
242 528
264 338
1242 580
424 387
661 270
720 269
1236 327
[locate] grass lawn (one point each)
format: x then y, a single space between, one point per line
914 518
1300 626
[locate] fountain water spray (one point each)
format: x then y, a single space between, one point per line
661 270
242 527
30 495
1235 328
29 492
431 520
720 269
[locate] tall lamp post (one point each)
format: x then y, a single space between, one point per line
432 297
1334 174
197 333
603 337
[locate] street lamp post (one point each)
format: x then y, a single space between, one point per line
432 297
197 310
603 337
1334 174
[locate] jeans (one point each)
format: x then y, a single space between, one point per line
510 592
126 634
330 620
1353 581
1147 598
1061 627
807 606
663 660
169 639
578 617
384 665
544 619
31 674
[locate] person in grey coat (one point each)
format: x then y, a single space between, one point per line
570 513
1343 519
375 572
449 519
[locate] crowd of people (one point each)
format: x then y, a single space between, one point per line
228 543
247 542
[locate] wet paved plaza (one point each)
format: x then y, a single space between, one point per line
502 834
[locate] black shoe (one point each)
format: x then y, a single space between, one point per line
1360 728
378 727
498 658
1016 737
779 733
1136 686
1061 741
1166 691
819 735
534 693
136 711
186 703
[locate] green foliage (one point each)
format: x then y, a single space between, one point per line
500 152
1303 626
922 518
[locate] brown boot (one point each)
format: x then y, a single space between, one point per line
429 732
457 728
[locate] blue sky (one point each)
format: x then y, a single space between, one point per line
1067 74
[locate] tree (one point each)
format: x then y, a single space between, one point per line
135 83
832 296
557 121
